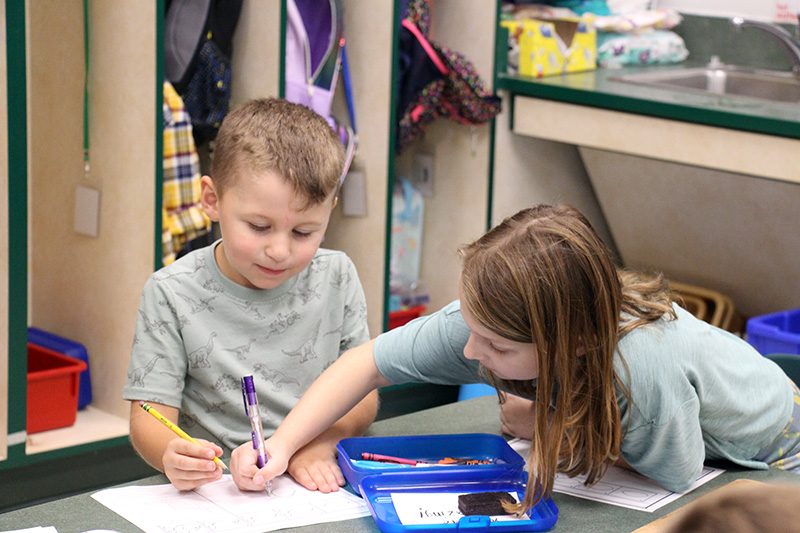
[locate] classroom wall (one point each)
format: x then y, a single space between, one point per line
364 238
256 45
728 232
768 10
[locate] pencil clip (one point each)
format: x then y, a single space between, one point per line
244 398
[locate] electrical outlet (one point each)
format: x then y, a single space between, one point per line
422 173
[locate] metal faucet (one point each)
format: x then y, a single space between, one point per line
789 43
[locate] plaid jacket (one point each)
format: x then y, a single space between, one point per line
183 218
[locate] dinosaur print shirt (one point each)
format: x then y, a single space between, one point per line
197 333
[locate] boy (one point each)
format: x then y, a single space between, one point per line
263 300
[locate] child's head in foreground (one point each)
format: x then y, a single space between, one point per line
274 181
744 508
545 281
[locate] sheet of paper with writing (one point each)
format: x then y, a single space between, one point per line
619 486
417 508
38 529
222 507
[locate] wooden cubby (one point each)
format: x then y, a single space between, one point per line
80 287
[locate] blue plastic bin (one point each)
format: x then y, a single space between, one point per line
71 348
475 390
776 332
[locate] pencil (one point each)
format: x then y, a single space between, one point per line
178 431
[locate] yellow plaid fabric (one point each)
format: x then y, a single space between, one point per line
183 217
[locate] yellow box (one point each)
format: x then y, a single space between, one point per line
555 46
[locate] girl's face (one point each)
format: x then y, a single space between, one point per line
505 358
266 238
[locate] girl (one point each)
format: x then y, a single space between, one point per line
617 372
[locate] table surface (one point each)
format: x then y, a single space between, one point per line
81 513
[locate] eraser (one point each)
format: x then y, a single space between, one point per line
484 503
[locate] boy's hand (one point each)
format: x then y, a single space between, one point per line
516 417
188 465
314 466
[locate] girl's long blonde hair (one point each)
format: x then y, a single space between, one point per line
544 276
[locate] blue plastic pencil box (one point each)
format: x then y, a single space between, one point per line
377 482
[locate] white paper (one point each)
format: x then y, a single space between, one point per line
619 486
416 508
222 507
37 529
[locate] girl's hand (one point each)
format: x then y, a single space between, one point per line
189 465
245 471
516 416
244 468
314 466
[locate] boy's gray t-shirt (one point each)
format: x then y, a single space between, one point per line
197 334
698 392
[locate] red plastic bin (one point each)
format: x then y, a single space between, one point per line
53 384
404 316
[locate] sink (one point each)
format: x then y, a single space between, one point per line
774 86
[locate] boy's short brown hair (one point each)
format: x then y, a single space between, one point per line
275 135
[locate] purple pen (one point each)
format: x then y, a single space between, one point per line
257 433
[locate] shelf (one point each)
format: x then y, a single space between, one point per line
91 425
669 140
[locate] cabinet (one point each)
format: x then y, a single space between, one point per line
80 287
88 289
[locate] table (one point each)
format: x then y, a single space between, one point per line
79 513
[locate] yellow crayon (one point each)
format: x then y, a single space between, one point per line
178 431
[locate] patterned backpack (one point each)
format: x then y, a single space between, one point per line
435 81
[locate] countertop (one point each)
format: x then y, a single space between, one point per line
598 89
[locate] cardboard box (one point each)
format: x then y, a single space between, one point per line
546 47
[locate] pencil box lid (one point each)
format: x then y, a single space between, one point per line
379 490
474 446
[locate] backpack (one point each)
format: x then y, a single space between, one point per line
435 81
198 43
315 54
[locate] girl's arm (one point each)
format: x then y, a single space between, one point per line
346 383
314 466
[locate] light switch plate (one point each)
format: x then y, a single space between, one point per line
87 211
354 194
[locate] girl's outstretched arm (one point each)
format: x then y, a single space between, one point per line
343 385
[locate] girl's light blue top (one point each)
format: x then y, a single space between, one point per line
697 392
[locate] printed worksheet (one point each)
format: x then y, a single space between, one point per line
221 507
38 529
619 486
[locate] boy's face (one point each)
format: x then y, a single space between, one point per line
266 238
